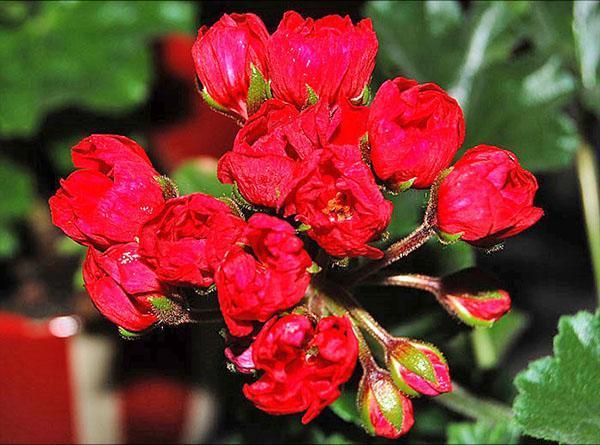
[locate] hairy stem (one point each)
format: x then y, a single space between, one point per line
587 171
415 281
396 251
407 245
340 300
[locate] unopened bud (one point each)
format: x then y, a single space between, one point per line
418 368
475 297
383 409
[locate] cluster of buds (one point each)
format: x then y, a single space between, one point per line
311 165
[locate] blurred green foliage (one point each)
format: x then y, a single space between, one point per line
16 200
512 89
93 55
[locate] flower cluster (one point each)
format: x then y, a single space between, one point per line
310 165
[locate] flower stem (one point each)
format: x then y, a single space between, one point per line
339 300
407 245
415 281
587 171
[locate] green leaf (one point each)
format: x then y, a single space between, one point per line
9 243
518 106
558 397
491 344
16 191
474 433
200 175
93 55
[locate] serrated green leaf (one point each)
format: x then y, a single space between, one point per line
557 397
475 433
200 175
93 55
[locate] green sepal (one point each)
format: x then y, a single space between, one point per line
303 228
449 238
161 304
213 103
390 402
404 186
364 98
128 335
314 268
168 186
312 98
258 91
414 360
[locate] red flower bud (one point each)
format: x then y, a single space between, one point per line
102 151
175 241
340 202
414 132
303 365
383 409
101 208
418 368
265 276
122 286
475 297
329 57
487 197
224 55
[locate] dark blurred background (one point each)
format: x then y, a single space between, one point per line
69 69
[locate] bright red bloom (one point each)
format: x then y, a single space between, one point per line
270 150
277 144
175 241
330 55
224 54
121 286
341 203
266 276
414 132
102 151
383 409
418 368
100 209
303 365
487 197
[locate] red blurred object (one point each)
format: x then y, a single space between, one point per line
55 388
36 400
203 132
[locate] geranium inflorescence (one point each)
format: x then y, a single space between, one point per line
311 166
